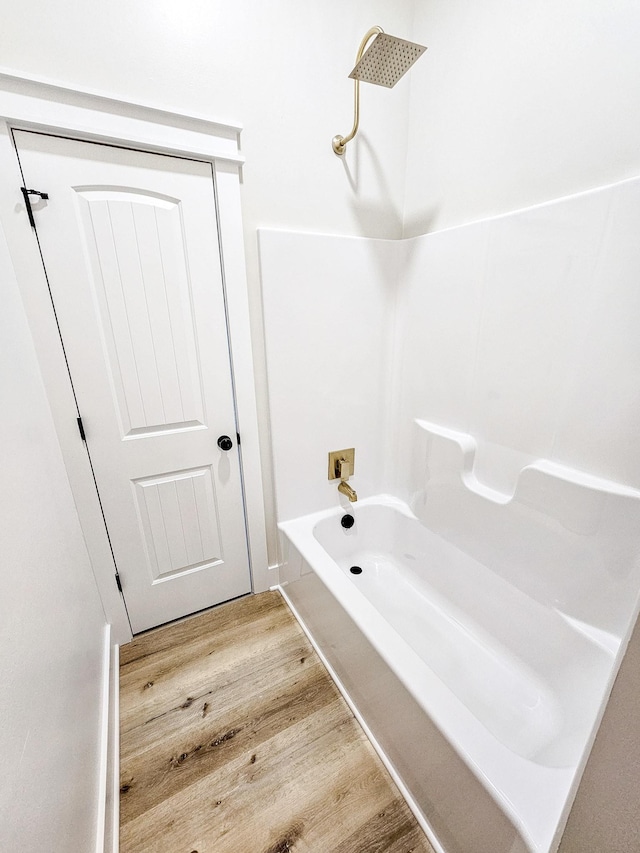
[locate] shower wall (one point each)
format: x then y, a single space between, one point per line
523 331
328 302
279 70
520 330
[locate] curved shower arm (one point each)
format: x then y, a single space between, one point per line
340 142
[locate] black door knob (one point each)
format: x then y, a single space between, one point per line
225 443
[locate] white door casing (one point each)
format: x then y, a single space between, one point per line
49 108
130 245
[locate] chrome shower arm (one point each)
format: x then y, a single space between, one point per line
340 142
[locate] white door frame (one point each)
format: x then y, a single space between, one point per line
30 104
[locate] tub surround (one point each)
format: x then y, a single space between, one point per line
523 332
519 330
488 381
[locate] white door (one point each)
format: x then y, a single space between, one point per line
129 242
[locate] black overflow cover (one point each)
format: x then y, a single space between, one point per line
355 570
347 521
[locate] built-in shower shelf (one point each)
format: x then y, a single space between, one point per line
467 447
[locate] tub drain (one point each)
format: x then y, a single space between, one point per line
355 570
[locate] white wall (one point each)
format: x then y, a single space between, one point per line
521 103
512 104
51 619
279 69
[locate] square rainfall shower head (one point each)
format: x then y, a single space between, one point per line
387 60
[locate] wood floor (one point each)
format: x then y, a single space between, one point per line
235 740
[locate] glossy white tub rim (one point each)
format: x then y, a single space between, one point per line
533 795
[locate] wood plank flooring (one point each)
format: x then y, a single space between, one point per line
235 740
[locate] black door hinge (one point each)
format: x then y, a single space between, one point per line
81 429
27 201
118 582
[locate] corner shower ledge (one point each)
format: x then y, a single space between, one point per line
468 447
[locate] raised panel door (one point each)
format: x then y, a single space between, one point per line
129 242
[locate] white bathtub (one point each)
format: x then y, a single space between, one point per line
506 687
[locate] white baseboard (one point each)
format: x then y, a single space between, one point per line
108 818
